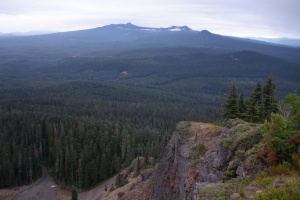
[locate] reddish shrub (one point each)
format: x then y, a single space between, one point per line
271 156
278 170
260 154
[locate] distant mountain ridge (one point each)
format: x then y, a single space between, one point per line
130 26
123 37
283 41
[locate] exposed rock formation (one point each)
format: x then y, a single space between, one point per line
171 178
194 158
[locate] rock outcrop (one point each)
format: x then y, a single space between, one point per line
196 157
171 178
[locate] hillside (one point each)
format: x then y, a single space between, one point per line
201 161
206 161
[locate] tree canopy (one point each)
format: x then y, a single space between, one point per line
261 103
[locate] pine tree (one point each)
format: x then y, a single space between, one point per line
241 105
231 106
74 194
270 100
253 105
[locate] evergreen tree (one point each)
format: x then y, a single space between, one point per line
231 106
254 104
241 105
74 194
293 100
270 100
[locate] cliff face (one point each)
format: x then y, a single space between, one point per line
198 156
171 178
185 168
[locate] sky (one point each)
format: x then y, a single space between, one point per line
243 18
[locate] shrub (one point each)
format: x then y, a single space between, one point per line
264 183
240 154
223 190
260 175
289 191
296 161
200 149
240 128
120 194
228 144
281 169
183 128
250 139
242 192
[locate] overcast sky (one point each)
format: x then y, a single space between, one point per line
257 18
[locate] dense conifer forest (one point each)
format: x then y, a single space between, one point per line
84 132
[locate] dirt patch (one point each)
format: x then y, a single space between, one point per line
43 189
203 132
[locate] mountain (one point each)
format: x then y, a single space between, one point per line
282 41
116 38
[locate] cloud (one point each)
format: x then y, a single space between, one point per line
230 17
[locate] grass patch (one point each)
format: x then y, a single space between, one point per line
281 169
183 128
199 149
264 182
224 190
290 190
228 144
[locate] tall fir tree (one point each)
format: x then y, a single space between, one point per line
74 195
253 105
231 105
270 99
241 105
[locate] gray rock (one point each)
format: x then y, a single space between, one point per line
240 172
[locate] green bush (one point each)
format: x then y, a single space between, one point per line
290 191
240 128
265 182
242 192
120 194
296 162
228 144
183 128
223 190
281 169
200 149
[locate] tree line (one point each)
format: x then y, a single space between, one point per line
261 103
281 139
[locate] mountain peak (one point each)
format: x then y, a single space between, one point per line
206 32
129 24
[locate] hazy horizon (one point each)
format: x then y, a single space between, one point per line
264 18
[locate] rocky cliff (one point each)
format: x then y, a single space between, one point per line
191 160
198 156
